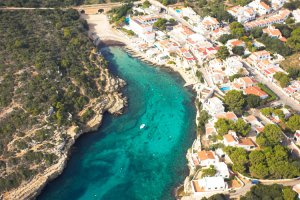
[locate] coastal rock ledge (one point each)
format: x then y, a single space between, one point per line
112 102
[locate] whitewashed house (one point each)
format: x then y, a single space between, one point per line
222 170
242 14
207 158
296 15
210 23
208 186
234 66
213 106
143 27
260 7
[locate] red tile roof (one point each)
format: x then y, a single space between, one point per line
255 91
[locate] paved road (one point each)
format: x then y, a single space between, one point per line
242 191
284 98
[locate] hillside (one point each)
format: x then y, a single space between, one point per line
54 86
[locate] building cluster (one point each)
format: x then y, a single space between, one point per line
263 63
205 186
278 18
252 14
192 42
184 45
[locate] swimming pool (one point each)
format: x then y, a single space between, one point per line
225 88
178 10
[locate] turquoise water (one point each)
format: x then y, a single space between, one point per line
120 161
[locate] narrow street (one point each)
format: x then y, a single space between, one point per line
283 98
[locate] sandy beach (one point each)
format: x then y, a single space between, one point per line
99 25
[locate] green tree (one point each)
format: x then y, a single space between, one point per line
240 160
146 4
294 73
292 5
284 29
225 37
253 101
237 29
241 127
234 76
238 50
271 136
223 53
280 114
199 75
211 171
275 45
257 157
259 171
67 33
294 122
259 191
203 119
235 101
160 24
223 126
282 78
267 111
289 194
256 32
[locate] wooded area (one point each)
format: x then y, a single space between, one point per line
47 74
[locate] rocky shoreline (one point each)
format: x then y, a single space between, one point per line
115 103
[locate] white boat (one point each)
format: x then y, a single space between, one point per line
142 126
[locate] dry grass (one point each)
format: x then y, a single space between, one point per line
291 61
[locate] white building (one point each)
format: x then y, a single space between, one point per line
227 115
180 34
235 43
153 10
260 7
242 14
294 87
207 158
274 33
242 83
232 140
280 18
210 23
296 14
142 26
276 4
208 186
259 56
216 65
234 66
167 46
256 125
222 170
214 106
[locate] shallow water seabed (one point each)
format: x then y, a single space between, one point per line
122 161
